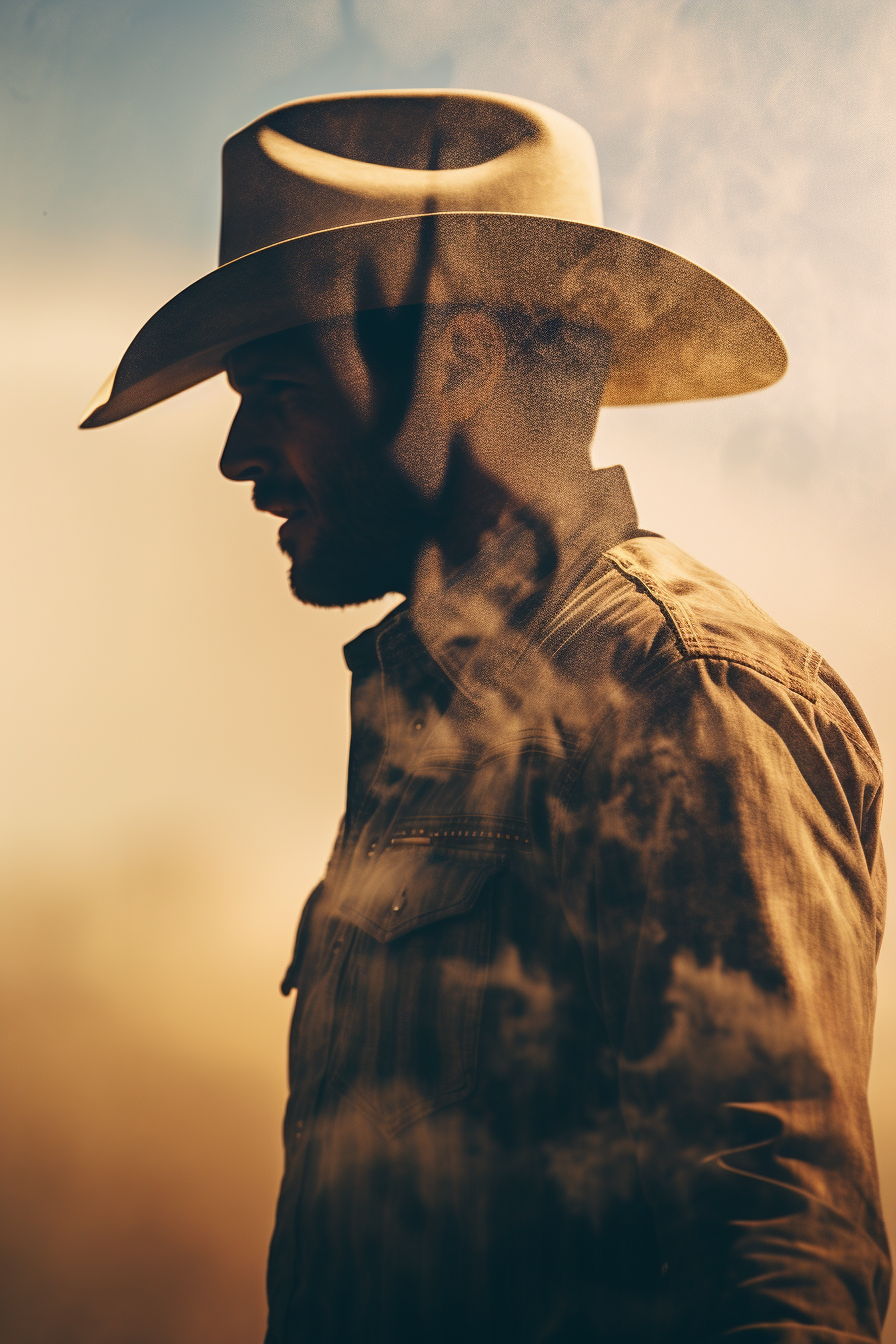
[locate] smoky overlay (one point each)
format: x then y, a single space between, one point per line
584 1001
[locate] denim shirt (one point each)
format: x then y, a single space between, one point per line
584 1002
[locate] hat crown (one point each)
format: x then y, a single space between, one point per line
348 159
376 200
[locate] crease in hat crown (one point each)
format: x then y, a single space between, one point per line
330 204
545 164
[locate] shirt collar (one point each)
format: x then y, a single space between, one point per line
477 622
360 654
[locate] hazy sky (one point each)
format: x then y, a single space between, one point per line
755 139
174 724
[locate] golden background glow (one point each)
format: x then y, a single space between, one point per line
175 725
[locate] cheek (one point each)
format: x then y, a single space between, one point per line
308 455
316 439
337 481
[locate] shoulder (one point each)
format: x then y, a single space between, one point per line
708 616
647 606
649 619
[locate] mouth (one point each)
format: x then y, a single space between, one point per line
289 506
283 508
290 529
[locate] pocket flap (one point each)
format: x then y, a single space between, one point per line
407 888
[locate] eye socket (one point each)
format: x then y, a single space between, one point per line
279 386
289 391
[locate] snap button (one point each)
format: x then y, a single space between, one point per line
418 725
399 903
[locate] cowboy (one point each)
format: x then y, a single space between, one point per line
584 1001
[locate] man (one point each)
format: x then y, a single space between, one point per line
584 1002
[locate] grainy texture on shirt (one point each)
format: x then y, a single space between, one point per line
584 1003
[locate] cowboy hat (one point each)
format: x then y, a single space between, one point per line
355 201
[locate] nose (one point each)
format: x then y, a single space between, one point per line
245 458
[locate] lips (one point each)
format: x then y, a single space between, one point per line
281 500
280 506
291 527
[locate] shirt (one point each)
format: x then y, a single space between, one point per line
584 1003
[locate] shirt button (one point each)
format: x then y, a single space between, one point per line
399 902
300 1126
418 725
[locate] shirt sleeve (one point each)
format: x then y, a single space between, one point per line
725 878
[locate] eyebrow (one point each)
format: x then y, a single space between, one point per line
266 373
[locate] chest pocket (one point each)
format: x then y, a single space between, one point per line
409 1006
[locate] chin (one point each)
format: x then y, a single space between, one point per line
330 588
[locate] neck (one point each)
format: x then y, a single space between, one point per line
476 502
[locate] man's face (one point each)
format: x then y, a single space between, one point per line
313 432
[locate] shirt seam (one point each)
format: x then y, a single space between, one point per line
693 646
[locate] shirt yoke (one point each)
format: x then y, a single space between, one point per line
711 617
656 606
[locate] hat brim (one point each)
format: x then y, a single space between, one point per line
678 333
